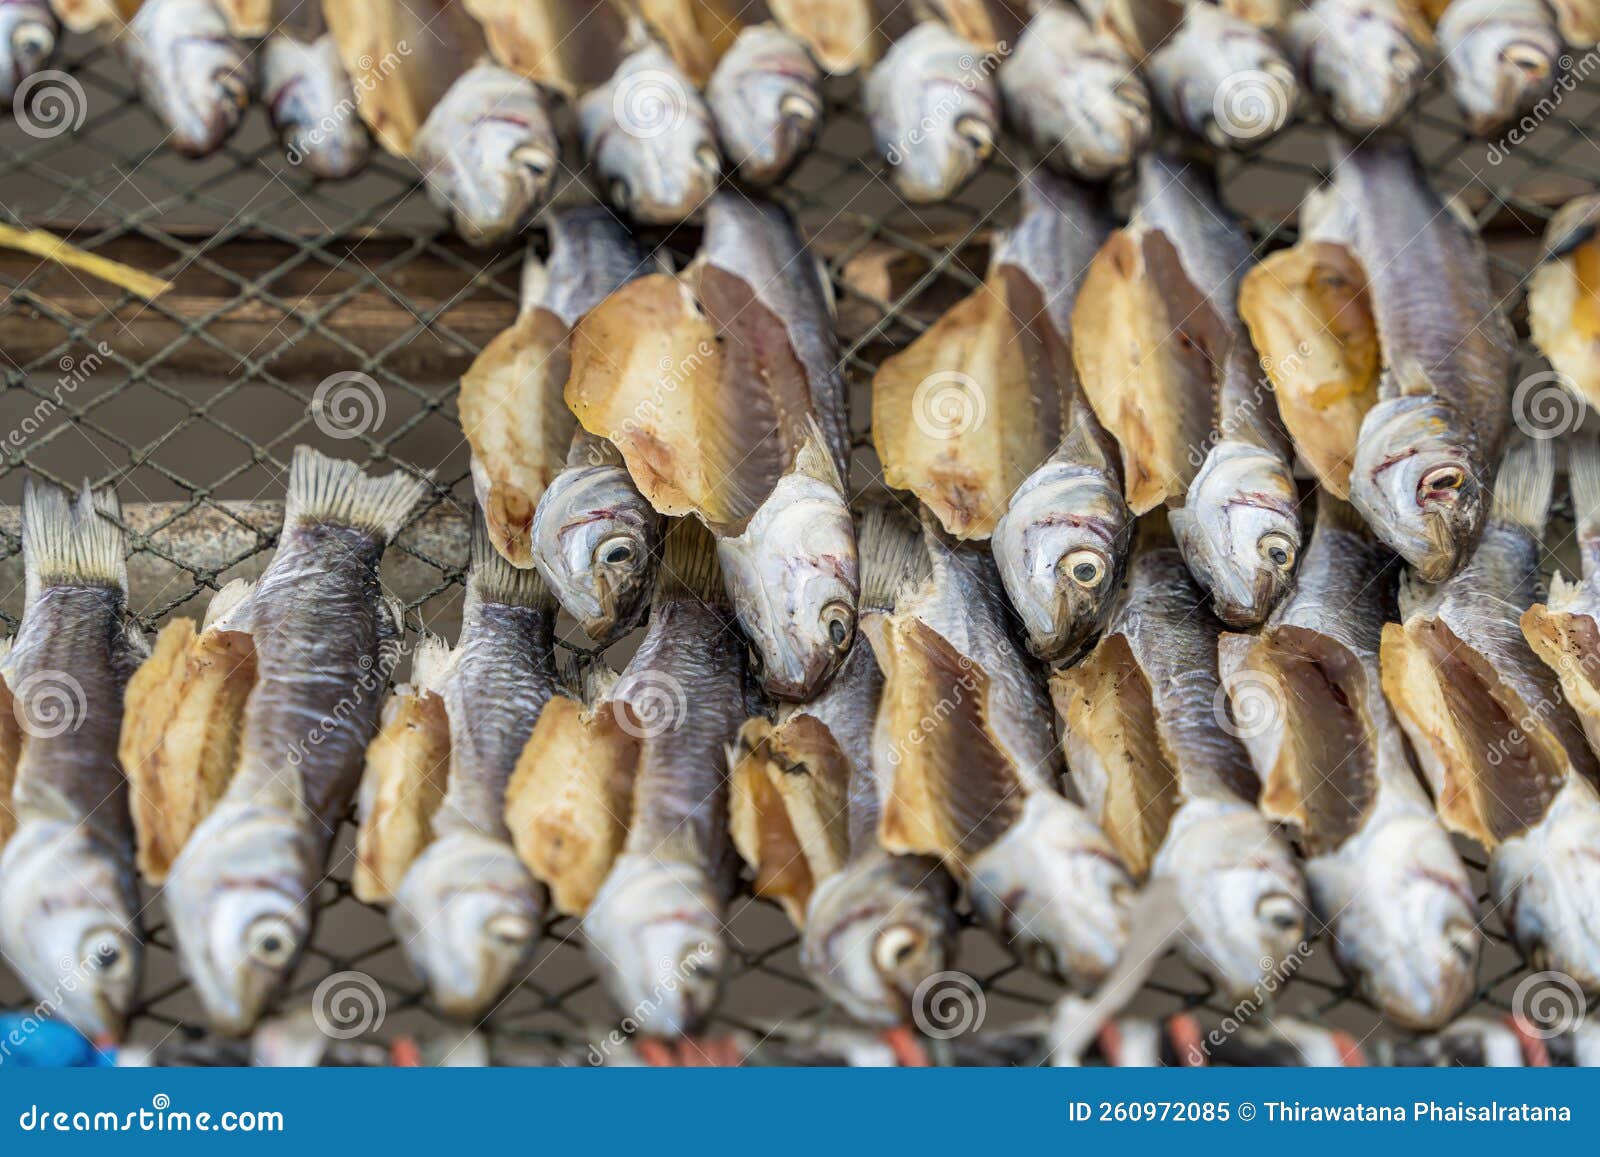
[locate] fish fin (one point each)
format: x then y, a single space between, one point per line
689 563
404 780
569 801
1142 26
1523 487
1335 513
1583 470
10 744
431 663
69 541
588 678
230 608
788 807
492 579
952 790
323 489
182 723
893 558
954 416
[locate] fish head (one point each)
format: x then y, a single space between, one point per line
934 112
766 103
1547 881
876 931
309 95
1502 67
1107 113
237 900
1244 901
1053 888
1361 60
1240 531
794 581
489 154
1418 480
1404 920
27 41
657 927
69 923
1061 548
597 541
1224 80
467 915
191 71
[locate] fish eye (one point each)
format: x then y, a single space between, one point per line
510 929
618 550
976 132
620 192
1280 911
534 158
1527 58
102 951
233 88
1463 940
272 942
710 160
895 946
840 621
795 107
1278 549
1086 567
1442 482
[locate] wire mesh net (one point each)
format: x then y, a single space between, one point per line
191 404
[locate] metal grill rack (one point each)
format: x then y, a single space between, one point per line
192 403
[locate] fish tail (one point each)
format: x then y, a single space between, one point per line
494 580
229 609
1522 489
588 677
330 490
892 555
689 562
69 541
430 663
1583 468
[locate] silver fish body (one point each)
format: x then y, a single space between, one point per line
69 901
1062 544
1221 78
312 104
1501 58
488 152
934 112
1075 95
651 139
766 98
468 913
194 74
241 893
29 31
1426 454
1361 57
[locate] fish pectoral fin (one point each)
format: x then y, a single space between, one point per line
569 801
403 783
183 717
788 807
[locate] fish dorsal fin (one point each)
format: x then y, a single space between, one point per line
570 799
1309 317
788 807
954 416
1115 749
407 771
1523 486
1148 347
183 719
950 789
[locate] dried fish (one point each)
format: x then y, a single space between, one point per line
1427 451
1564 302
308 94
721 390
1307 700
408 763
964 747
1159 762
1365 59
766 98
650 139
1062 543
1219 77
1074 94
69 901
656 925
934 112
1502 750
467 913
28 34
513 411
805 811
842 35
567 46
191 70
240 893
1501 59
181 724
1579 21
